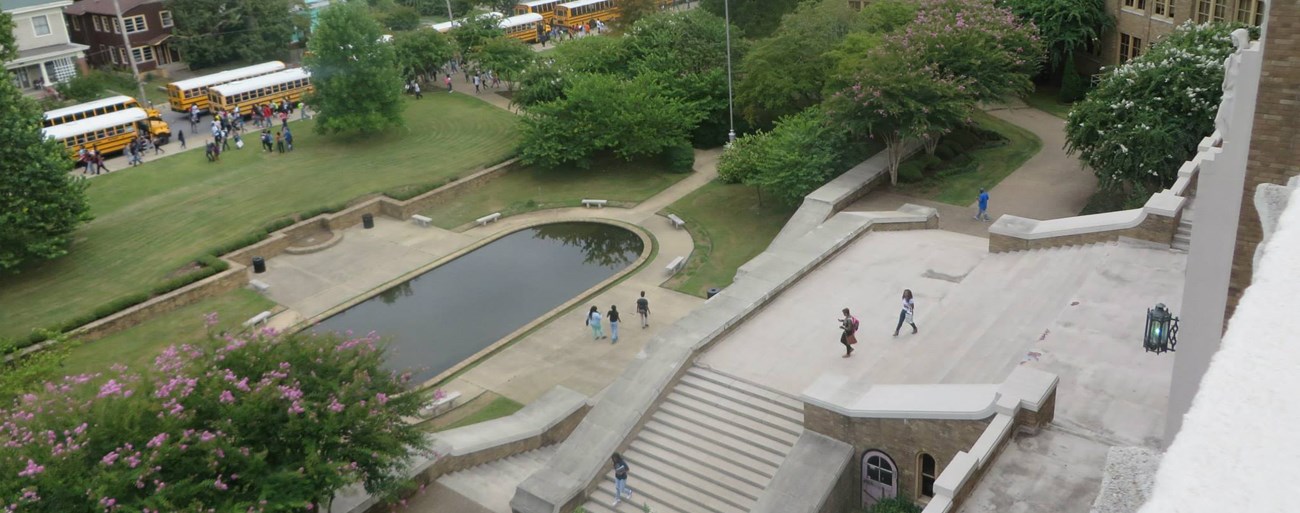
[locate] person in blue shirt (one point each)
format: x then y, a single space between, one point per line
983 214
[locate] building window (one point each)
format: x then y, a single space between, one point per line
166 18
1161 8
41 25
121 55
76 24
142 54
135 24
112 54
95 20
929 471
117 25
1129 47
1140 5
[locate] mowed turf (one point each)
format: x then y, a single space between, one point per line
729 228
152 220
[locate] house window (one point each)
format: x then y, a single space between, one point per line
76 24
41 25
135 24
95 21
166 18
1250 12
1160 8
112 54
1129 47
121 55
929 471
117 26
142 54
1140 5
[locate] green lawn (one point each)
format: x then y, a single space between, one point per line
729 228
528 189
500 406
137 346
994 164
154 219
1044 98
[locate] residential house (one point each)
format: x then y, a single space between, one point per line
147 24
45 55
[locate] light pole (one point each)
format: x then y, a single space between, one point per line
731 111
130 55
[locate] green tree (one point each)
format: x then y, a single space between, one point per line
354 74
630 118
1146 117
267 422
893 103
505 56
1066 26
541 83
758 18
473 33
784 74
400 18
211 32
631 11
41 204
594 55
877 19
422 51
800 154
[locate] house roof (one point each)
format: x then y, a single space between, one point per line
103 6
14 5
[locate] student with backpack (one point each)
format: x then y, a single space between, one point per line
621 490
848 331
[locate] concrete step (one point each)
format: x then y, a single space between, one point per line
712 469
723 444
707 486
691 494
785 435
739 406
701 375
687 419
643 493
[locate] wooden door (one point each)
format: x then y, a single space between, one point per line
879 478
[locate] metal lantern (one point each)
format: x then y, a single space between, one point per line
1162 330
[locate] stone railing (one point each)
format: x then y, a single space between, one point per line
546 421
814 478
578 463
1157 221
964 427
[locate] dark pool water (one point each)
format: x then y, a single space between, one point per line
440 318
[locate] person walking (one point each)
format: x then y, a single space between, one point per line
983 214
593 320
279 142
477 83
448 81
99 161
643 309
415 88
613 323
156 142
288 139
266 141
908 313
302 111
194 118
621 490
848 332
180 137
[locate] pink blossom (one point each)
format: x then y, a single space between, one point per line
109 458
227 397
32 469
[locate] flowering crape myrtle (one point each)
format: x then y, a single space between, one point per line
264 422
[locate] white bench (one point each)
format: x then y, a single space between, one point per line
677 221
421 220
483 221
594 203
259 285
676 265
439 406
257 319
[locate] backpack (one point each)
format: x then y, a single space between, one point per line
855 323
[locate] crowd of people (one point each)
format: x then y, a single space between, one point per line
228 125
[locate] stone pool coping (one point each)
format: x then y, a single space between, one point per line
649 249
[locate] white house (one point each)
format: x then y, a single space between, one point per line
45 55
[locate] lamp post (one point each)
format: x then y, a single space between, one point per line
731 111
1161 331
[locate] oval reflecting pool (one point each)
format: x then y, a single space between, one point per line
438 319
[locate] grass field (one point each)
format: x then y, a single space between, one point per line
528 189
137 346
152 220
482 409
1044 98
729 228
994 164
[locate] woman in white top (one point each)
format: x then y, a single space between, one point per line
593 320
906 315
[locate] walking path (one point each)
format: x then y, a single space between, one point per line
1050 185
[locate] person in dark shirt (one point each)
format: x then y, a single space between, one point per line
621 490
613 324
643 309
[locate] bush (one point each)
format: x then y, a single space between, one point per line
911 171
401 18
95 85
1073 86
894 505
680 158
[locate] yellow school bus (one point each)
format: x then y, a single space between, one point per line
291 84
523 27
194 91
108 133
155 127
573 14
546 8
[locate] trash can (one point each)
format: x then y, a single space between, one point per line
367 221
713 292
259 265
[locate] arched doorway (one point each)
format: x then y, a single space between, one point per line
879 478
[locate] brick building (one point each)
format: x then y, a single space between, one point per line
147 23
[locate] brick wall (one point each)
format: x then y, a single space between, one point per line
1141 24
1274 148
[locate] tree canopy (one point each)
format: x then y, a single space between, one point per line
800 154
757 18
211 32
1066 26
1146 117
505 56
41 204
262 422
421 51
355 74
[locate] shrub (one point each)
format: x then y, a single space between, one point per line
1073 86
278 224
894 505
96 84
680 158
911 171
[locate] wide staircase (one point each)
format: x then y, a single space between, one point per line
492 484
712 446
